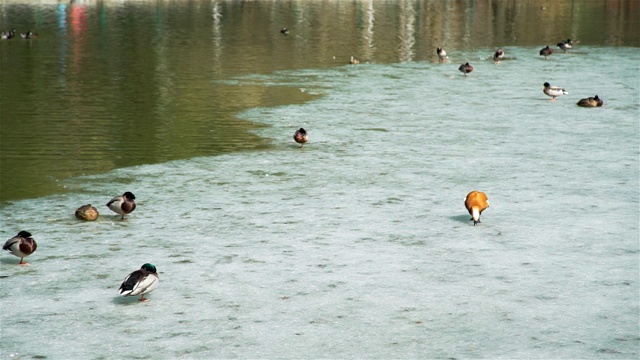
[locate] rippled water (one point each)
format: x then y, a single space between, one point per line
358 245
112 84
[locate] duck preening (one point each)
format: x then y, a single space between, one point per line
123 204
21 245
442 55
476 202
546 52
465 68
301 136
591 102
554 91
498 55
565 45
140 282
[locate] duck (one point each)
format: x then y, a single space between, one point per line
123 204
442 55
29 35
498 55
354 61
301 136
554 91
465 68
140 282
87 212
590 102
476 202
546 52
21 245
565 45
6 35
284 31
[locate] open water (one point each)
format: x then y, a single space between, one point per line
358 244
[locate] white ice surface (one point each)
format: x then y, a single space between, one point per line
358 245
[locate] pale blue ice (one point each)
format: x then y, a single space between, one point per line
358 245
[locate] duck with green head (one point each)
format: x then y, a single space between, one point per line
140 282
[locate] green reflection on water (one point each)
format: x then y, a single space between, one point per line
116 84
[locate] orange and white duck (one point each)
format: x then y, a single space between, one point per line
476 202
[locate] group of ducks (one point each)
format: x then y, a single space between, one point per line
139 282
6 35
145 279
553 91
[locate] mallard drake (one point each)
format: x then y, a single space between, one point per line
140 282
554 91
21 245
475 203
123 204
284 31
591 102
565 45
498 55
442 55
354 61
465 68
87 212
546 52
301 136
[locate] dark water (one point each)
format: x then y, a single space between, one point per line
114 84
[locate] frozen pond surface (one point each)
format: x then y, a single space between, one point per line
358 245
